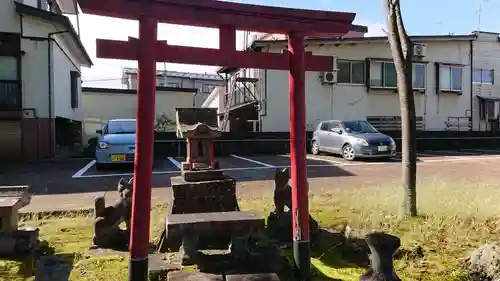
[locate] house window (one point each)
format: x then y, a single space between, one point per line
450 78
207 88
383 75
351 72
173 85
482 76
8 68
74 76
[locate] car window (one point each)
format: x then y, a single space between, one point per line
358 127
105 129
335 125
326 126
121 127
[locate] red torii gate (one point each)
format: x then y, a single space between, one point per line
227 17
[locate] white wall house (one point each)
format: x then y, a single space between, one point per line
101 105
453 75
40 97
204 82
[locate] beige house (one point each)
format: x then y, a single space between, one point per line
203 82
101 105
41 57
453 79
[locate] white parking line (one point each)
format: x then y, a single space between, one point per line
82 171
175 162
316 158
124 174
253 161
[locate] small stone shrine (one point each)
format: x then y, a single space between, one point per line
204 214
382 247
13 240
107 220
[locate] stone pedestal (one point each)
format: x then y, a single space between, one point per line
203 196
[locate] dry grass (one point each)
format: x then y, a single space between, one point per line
454 220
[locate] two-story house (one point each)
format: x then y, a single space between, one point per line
453 79
204 82
41 58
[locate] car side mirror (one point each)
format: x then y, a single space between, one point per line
337 130
99 132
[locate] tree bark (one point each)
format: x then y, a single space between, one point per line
402 53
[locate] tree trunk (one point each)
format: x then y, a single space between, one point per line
402 53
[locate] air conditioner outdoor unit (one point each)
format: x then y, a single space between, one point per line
329 77
419 50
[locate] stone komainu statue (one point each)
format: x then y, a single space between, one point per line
107 220
282 191
382 249
280 220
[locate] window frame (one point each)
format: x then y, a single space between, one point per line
350 62
382 64
481 70
74 96
207 87
173 85
450 67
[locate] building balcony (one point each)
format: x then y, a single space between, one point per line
10 94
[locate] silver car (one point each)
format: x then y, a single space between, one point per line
352 139
116 143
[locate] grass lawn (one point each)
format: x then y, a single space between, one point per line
455 218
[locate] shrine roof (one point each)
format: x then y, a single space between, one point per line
191 119
14 196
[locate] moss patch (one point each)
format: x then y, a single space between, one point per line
454 220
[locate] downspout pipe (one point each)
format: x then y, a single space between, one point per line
471 62
50 88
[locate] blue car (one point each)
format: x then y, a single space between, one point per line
116 143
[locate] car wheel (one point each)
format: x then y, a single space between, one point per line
315 148
348 152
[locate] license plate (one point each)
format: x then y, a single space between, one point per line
382 148
118 158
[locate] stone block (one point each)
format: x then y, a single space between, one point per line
253 277
224 221
185 189
203 175
19 242
193 276
196 165
214 230
52 269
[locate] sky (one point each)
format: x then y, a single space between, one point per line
420 17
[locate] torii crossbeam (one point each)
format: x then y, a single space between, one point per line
227 17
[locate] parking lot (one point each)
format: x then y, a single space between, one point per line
80 175
249 164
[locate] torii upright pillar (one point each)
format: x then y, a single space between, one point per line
141 200
300 206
